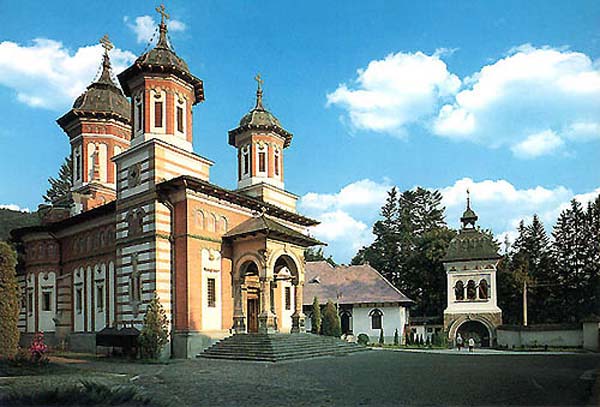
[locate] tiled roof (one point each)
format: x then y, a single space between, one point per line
348 285
263 224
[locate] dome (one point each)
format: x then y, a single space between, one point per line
259 117
163 55
471 244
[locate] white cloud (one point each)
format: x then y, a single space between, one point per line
538 144
360 193
48 75
145 26
533 100
391 93
14 207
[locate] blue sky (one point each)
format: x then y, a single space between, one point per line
501 97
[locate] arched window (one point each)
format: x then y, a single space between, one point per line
223 224
376 319
262 159
459 291
211 223
276 161
471 295
245 160
483 290
200 219
138 113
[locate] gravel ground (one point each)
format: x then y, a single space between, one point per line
370 378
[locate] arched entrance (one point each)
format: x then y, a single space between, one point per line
346 322
250 281
476 330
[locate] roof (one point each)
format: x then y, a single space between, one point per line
186 181
101 98
272 228
349 285
260 119
471 244
162 59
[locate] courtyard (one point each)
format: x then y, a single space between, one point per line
371 378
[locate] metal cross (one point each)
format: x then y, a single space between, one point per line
259 80
163 14
106 44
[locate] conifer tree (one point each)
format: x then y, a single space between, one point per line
315 319
396 339
9 302
381 337
155 332
331 321
61 186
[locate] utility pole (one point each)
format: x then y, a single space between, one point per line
525 302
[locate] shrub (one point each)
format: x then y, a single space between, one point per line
363 339
381 339
38 349
155 332
396 340
315 319
331 321
9 302
427 342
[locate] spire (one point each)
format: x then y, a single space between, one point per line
162 39
469 217
259 92
105 76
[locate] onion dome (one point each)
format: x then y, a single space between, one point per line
471 243
260 119
162 59
103 98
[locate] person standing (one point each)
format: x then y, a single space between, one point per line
471 344
459 342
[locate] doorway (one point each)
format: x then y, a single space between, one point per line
477 331
252 315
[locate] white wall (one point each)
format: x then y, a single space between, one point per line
285 325
211 268
46 283
572 338
394 317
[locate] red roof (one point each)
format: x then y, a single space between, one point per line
348 285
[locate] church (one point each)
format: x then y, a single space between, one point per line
144 219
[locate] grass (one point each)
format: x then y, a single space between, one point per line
14 369
85 393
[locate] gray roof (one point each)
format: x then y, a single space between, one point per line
348 285
272 228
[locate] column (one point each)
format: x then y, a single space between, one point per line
239 319
298 317
266 319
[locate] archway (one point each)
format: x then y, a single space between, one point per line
249 277
346 322
476 330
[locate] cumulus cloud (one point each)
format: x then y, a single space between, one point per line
46 74
534 101
145 26
347 216
14 207
394 92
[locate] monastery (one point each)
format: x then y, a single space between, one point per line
143 219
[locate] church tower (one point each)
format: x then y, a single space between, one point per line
470 262
99 128
260 140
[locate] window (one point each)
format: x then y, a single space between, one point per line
77 164
158 116
223 224
246 160
483 290
459 291
212 293
46 301
471 290
276 163
288 298
180 119
79 300
30 302
376 316
139 114
262 162
100 297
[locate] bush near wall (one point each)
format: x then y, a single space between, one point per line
9 302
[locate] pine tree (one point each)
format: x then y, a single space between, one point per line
155 332
317 254
331 321
9 302
315 319
61 186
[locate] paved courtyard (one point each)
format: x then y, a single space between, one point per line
372 378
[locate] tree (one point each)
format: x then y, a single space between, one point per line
155 332
61 186
316 254
9 302
396 339
331 321
381 337
315 319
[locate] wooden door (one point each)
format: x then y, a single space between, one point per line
252 315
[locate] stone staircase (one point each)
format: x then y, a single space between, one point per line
278 347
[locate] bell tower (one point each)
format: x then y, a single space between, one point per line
99 128
260 141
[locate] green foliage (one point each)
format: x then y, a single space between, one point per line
315 319
317 254
10 220
85 394
363 339
396 340
331 321
381 338
61 186
155 332
427 341
9 302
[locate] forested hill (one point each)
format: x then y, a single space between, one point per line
10 220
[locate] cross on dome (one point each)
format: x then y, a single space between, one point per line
106 43
163 14
259 81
